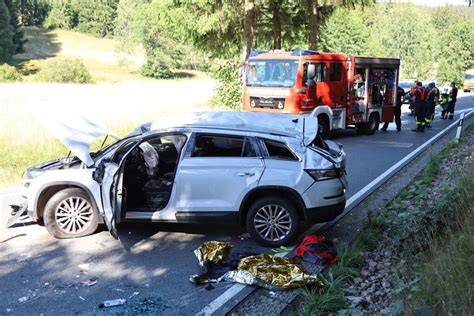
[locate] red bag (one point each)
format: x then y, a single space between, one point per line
317 245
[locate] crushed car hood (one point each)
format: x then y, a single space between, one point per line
77 132
303 127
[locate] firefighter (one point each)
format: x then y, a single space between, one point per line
397 110
444 101
432 97
412 104
453 94
419 104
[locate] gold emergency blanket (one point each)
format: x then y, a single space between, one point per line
281 272
214 251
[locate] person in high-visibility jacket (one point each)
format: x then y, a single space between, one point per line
420 107
444 102
432 98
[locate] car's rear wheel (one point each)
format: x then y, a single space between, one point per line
69 213
272 221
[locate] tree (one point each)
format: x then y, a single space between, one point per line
318 10
32 12
63 15
407 32
96 17
7 46
14 22
345 32
456 51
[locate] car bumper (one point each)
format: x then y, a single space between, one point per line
324 213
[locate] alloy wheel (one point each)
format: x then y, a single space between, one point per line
272 222
74 215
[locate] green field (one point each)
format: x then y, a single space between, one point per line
100 56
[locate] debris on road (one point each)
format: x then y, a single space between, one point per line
278 273
244 236
273 273
84 267
216 260
213 251
24 258
89 282
23 299
111 303
281 249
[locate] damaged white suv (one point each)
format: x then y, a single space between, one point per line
267 172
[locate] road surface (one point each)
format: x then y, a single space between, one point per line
151 263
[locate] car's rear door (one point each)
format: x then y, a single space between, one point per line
215 174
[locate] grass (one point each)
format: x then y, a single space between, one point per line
99 55
444 268
437 243
24 142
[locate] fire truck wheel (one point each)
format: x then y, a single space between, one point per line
323 125
373 124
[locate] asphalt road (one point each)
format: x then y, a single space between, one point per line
151 263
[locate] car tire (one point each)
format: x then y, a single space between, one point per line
69 214
272 221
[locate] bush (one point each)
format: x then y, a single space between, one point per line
64 70
9 74
228 91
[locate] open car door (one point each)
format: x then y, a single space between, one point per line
109 177
111 196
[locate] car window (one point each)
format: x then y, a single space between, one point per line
222 146
320 73
335 72
278 150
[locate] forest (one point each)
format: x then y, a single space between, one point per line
214 36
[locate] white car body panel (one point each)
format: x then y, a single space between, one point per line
79 176
215 184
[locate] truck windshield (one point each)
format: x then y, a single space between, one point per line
272 73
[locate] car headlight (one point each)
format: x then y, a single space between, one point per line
32 173
323 174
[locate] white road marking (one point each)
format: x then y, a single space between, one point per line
351 203
221 300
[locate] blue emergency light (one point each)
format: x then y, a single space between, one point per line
303 52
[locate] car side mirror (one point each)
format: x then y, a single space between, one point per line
311 72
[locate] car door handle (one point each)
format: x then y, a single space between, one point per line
243 174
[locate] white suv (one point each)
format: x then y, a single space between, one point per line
267 172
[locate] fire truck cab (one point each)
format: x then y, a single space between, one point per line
339 90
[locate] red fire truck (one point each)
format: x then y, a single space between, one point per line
340 90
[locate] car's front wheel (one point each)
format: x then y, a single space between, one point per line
69 213
272 221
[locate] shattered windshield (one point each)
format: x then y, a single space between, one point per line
272 73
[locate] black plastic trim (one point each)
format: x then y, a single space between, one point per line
324 213
208 217
301 206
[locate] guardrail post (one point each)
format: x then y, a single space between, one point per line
460 122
